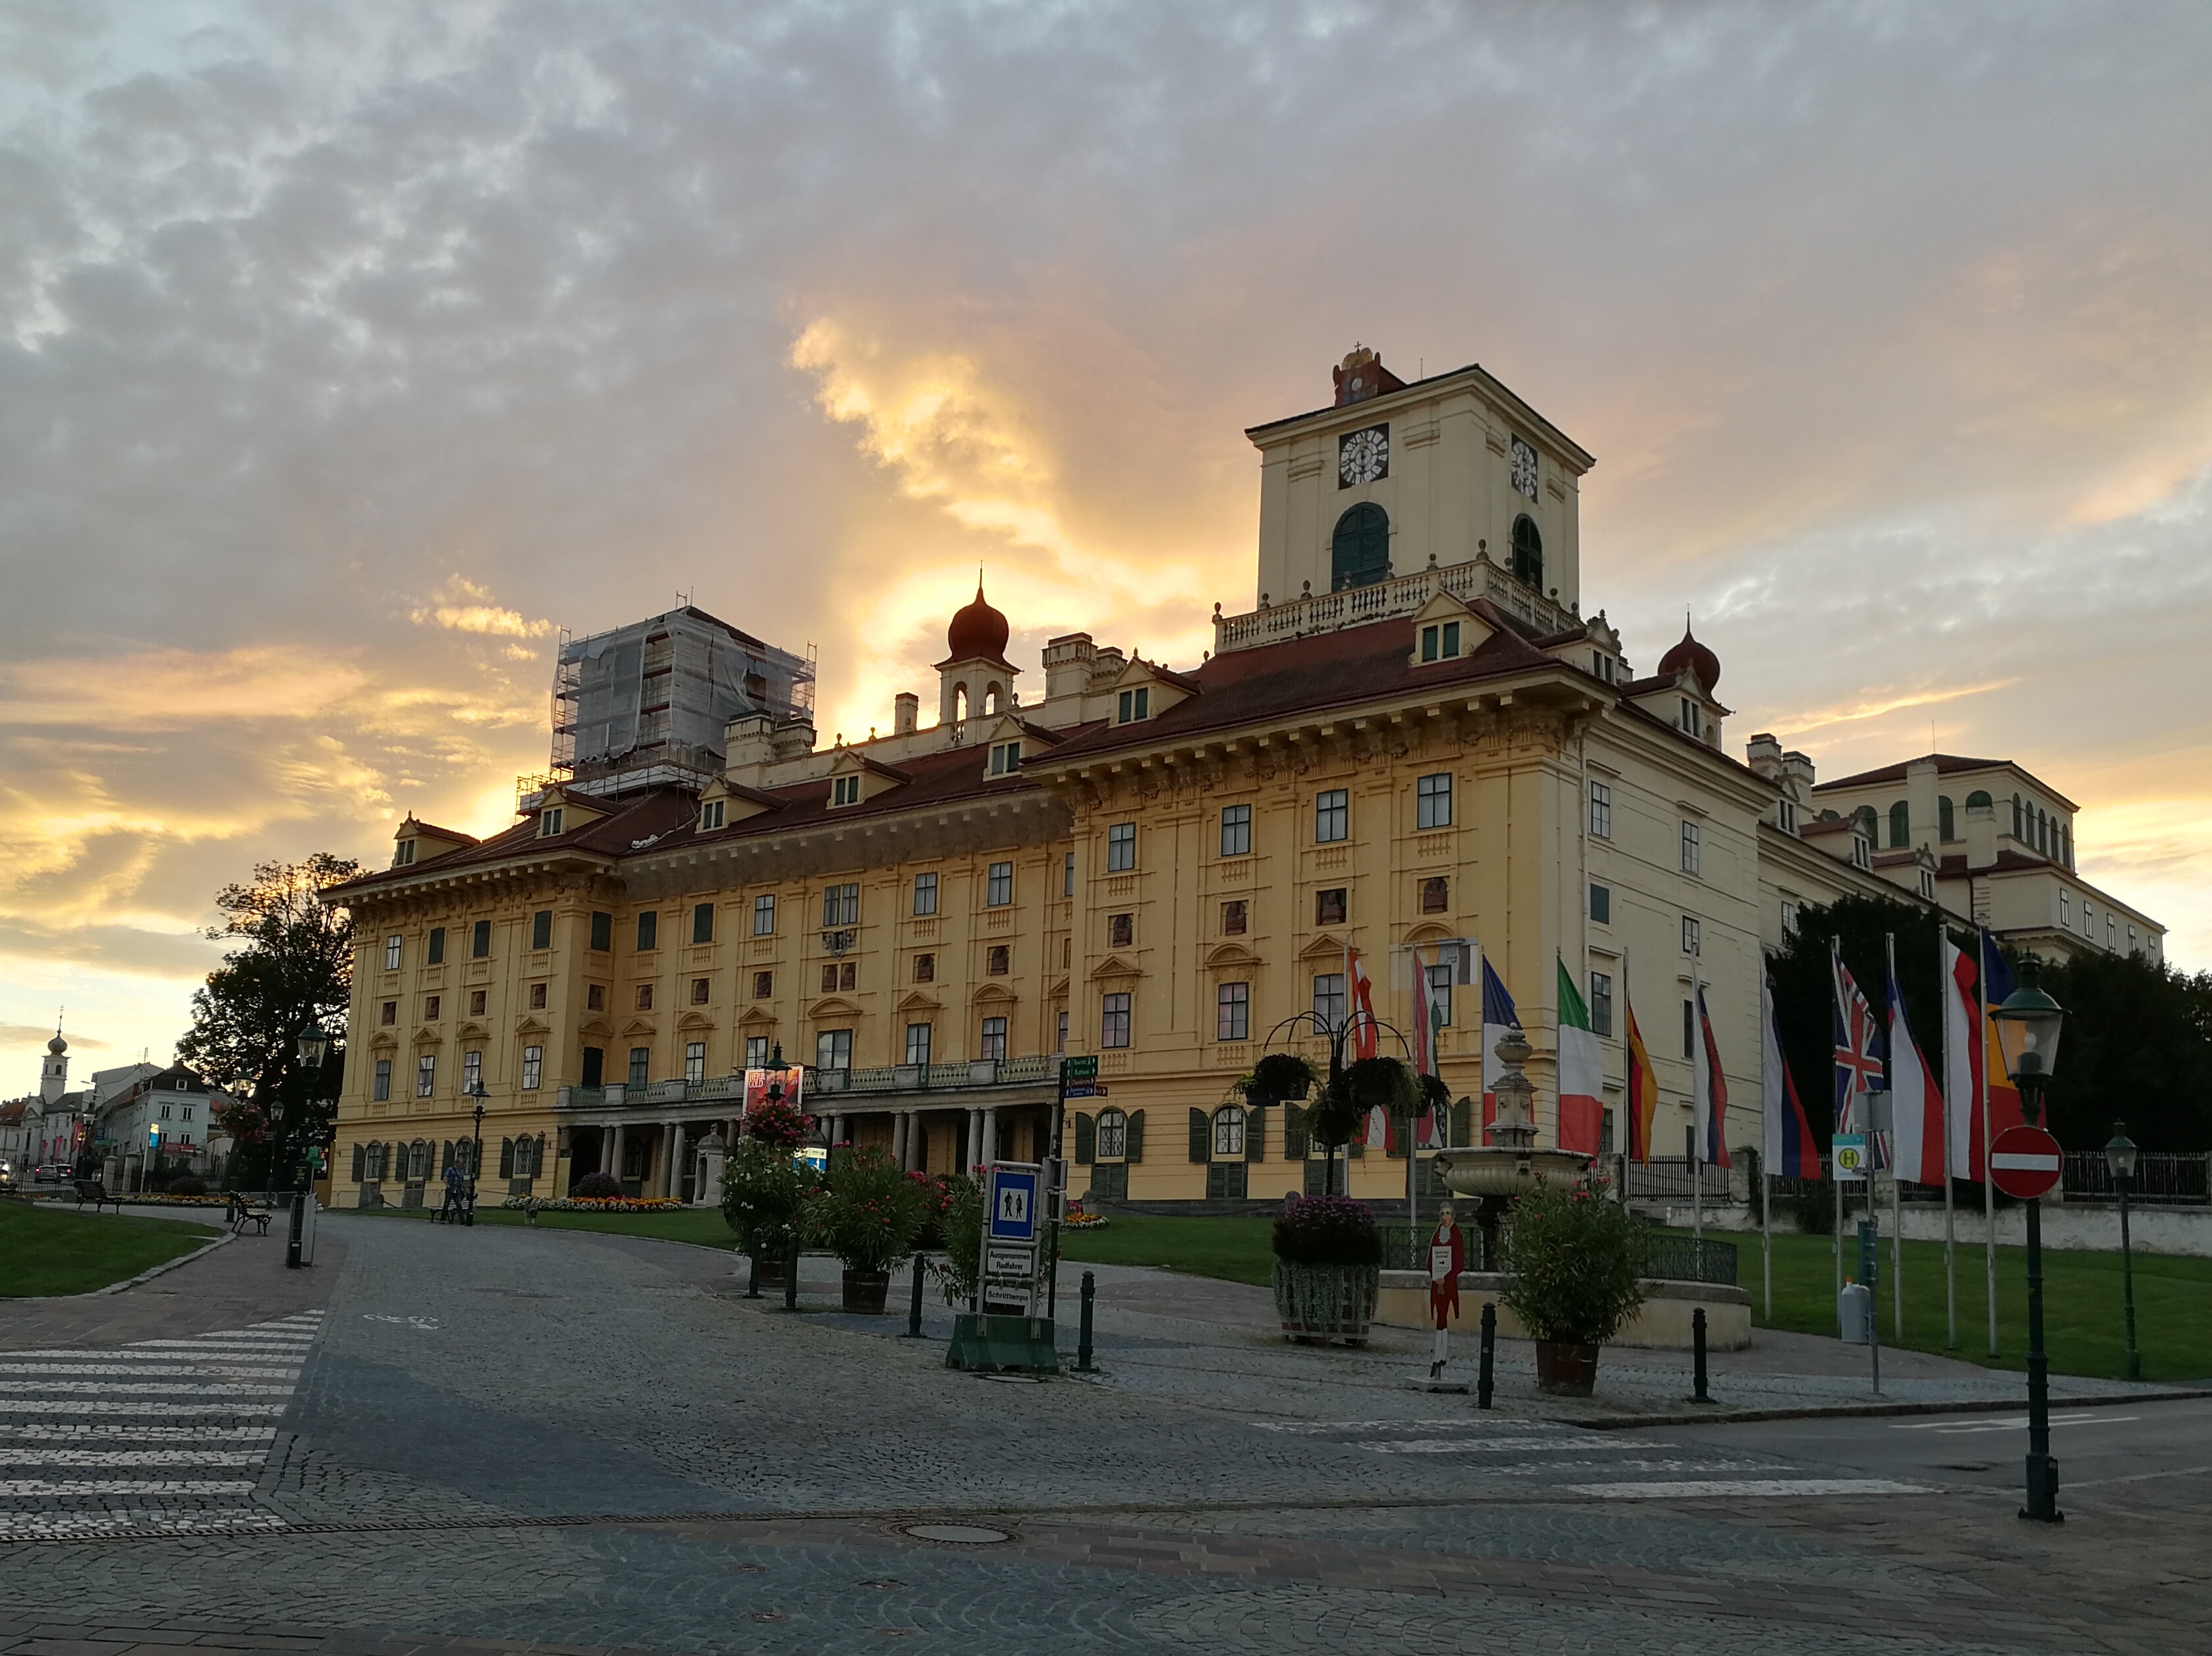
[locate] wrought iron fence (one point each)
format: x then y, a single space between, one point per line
2162 1177
1672 1259
1669 1176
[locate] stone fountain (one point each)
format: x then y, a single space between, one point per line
1510 1164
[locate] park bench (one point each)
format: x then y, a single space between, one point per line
92 1191
242 1213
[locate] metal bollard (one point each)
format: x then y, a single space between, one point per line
1698 1347
1482 1385
791 1276
1083 1331
752 1277
914 1309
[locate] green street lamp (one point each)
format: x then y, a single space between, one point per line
475 1147
2120 1157
314 1044
2027 1026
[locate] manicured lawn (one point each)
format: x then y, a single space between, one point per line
705 1226
2084 1330
44 1252
1237 1250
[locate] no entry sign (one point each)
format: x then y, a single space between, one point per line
2025 1162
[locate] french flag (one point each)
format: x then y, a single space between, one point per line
1498 1017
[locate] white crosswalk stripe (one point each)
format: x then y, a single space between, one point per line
167 1436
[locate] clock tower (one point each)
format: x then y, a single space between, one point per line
1394 476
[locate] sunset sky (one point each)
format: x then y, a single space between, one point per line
350 352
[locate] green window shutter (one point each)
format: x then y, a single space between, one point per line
1086 1139
1462 1122
1136 1138
1255 1133
360 1163
1294 1132
507 1158
1201 1149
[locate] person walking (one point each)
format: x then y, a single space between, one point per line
456 1191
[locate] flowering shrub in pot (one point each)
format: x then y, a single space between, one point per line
1328 1260
764 1186
596 1188
1574 1273
867 1211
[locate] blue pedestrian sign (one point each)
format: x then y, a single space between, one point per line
1013 1201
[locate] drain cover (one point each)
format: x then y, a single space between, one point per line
969 1535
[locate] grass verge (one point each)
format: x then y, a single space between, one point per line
48 1252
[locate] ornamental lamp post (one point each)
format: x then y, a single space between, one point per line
314 1044
2027 1026
475 1147
2120 1157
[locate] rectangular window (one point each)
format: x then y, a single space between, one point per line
995 1039
841 905
1600 1002
1601 811
594 1067
703 923
1068 876
998 962
1005 758
1121 847
998 885
392 947
1062 1047
1120 930
1328 998
1690 849
1330 906
710 814
425 1075
541 929
829 977
848 974
764 984
645 998
648 931
695 1062
1692 935
640 1062
1235 917
435 954
595 997
1233 1011
925 893
833 1049
764 914
431 1006
1689 1028
1113 1022
1134 706
1440 994
603 932
537 997
1436 895
755 1052
1236 830
925 968
1429 642
1112 1135
1600 904
533 1066
549 822
917 1043
844 789
388 1013
1432 801
1785 815
477 1003
480 941
1332 817
1789 919
383 1088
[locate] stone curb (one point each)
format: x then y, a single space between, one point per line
1718 1415
220 1240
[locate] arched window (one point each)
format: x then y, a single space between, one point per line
1900 825
991 699
1360 552
1112 1135
1229 1133
1946 825
1980 800
960 702
1864 820
2019 824
1528 552
2043 831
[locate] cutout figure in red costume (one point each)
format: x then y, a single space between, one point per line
1447 1258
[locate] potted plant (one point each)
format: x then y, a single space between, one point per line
764 1186
866 1211
1574 1273
1328 1265
960 1223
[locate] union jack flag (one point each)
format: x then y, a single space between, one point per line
1858 1046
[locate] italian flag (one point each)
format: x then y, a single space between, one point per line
1582 1072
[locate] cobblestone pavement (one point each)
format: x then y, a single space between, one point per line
557 1438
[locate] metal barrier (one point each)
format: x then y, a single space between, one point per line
1668 1177
2162 1177
1673 1259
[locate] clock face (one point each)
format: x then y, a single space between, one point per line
1524 467
1362 457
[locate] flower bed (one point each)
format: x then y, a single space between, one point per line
1078 1220
592 1203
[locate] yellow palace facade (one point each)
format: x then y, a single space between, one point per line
1417 736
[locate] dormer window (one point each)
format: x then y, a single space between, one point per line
1785 815
1134 705
1689 720
1860 856
548 822
710 814
844 790
1440 642
1005 758
402 854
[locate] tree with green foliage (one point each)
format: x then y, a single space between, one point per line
2137 1046
295 968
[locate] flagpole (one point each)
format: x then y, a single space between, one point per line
1944 991
1896 1178
1982 1088
1836 1123
1697 1061
1766 1149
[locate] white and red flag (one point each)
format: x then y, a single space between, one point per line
1916 1103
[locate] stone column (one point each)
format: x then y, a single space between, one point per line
972 1146
612 1138
898 1141
990 1135
672 1175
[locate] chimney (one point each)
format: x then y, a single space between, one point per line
1067 665
1763 755
906 713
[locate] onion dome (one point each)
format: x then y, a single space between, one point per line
1696 656
57 1046
977 630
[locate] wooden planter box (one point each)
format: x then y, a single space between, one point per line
1326 1303
865 1290
1565 1371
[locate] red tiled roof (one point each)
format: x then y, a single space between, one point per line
649 815
455 835
1947 764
